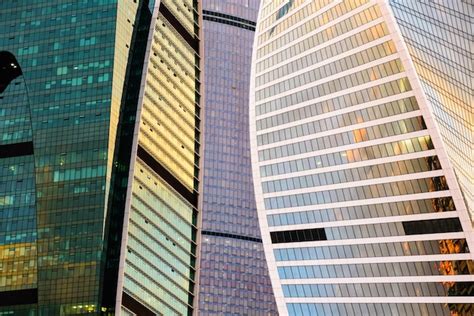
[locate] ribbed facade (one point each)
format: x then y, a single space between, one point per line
360 209
159 243
439 39
233 277
99 156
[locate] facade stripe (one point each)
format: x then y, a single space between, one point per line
151 162
211 233
228 19
190 39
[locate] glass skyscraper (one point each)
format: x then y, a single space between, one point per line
360 208
99 156
439 39
233 273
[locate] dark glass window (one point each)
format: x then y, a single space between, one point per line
445 225
298 235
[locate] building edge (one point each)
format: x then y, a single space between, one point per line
431 124
201 161
266 241
133 159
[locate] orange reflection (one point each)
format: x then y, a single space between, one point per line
18 268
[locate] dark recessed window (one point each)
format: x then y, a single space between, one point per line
301 235
433 226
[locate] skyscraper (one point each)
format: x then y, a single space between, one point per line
99 156
233 273
360 209
439 40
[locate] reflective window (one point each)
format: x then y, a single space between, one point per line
445 204
409 248
355 174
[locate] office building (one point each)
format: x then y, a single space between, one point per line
360 207
439 40
233 277
99 156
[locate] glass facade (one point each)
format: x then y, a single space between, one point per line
357 201
18 225
233 273
99 177
61 108
439 41
157 268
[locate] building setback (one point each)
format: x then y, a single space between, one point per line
360 209
233 277
99 156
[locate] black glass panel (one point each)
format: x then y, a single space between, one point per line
433 226
298 235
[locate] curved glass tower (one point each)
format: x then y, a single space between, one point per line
99 156
439 40
359 206
233 272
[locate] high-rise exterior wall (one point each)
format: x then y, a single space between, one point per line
359 207
99 156
54 203
439 39
158 259
233 273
